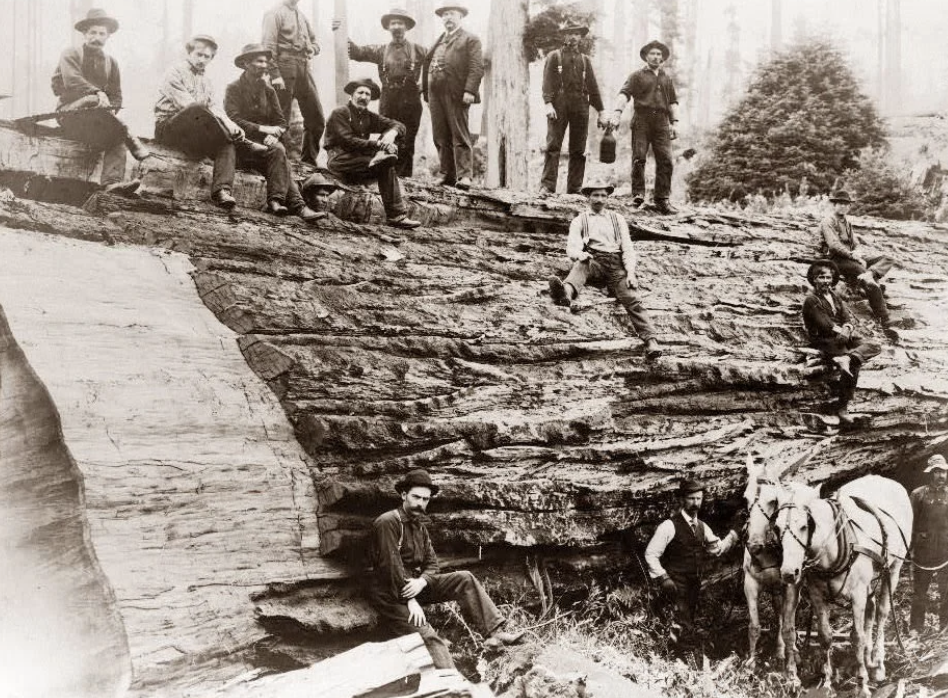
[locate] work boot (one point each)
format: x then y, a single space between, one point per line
843 414
500 638
663 207
380 158
844 363
464 184
558 292
137 148
448 182
224 199
307 214
126 188
545 191
652 351
638 200
275 207
404 221
249 146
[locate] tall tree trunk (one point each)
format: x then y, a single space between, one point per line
893 56
640 28
689 61
620 48
508 83
165 35
670 29
187 19
599 65
732 55
880 53
424 34
776 25
340 44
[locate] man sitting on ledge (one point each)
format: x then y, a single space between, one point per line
355 156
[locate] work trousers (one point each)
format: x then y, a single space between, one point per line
606 269
651 127
684 605
859 351
572 112
879 266
197 132
99 129
923 580
476 607
274 166
299 84
449 127
404 105
354 168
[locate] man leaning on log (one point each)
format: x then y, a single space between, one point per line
88 84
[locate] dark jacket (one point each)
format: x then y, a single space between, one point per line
555 82
77 76
252 104
349 129
819 317
930 534
463 65
400 550
685 555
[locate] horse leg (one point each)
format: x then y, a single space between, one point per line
790 631
869 623
859 598
882 616
825 632
751 593
779 598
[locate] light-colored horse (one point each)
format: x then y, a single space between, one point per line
839 547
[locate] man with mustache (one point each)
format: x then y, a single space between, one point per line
450 81
406 576
930 543
87 83
355 156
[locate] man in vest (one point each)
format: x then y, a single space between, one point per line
676 556
406 576
569 89
399 63
601 251
930 543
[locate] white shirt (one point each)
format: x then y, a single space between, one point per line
602 237
666 532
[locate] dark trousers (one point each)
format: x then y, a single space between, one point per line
274 166
608 270
100 129
299 84
651 127
683 604
879 266
197 132
923 580
354 167
404 105
449 128
572 112
463 587
859 351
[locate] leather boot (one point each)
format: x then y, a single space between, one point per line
137 148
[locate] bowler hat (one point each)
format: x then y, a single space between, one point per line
204 39
448 6
666 52
96 16
251 51
822 264
936 462
574 28
689 486
364 82
398 13
416 478
840 196
595 185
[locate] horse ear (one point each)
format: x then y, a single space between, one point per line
753 470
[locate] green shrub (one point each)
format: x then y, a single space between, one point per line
881 189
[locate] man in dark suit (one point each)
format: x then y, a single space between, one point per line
450 82
930 543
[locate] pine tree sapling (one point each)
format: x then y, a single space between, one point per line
542 36
882 190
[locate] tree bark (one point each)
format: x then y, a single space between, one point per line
776 25
340 45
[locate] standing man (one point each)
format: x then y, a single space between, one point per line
930 543
601 251
405 575
450 82
253 105
289 36
839 244
355 156
399 63
89 87
655 113
569 89
676 556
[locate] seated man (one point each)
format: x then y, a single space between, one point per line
89 87
405 575
253 105
601 251
354 156
829 324
185 118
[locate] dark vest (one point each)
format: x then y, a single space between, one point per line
931 528
684 555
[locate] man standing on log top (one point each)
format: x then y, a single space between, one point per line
289 36
406 576
655 113
89 87
450 81
399 63
569 89
839 244
253 105
930 543
829 324
601 251
185 118
355 156
676 556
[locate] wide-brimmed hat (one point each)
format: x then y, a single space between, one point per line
364 82
318 180
451 6
97 16
251 51
822 264
596 184
204 39
840 196
398 13
666 52
936 462
416 478
574 28
689 486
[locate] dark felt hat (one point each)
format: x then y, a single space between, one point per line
689 486
666 52
97 16
597 184
416 478
450 6
574 28
250 51
364 82
822 264
840 196
204 39
398 13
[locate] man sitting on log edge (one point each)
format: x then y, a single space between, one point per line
185 118
355 156
253 105
405 576
89 87
601 251
829 324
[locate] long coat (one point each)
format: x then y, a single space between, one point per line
463 64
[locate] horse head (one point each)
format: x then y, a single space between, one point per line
795 525
761 496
